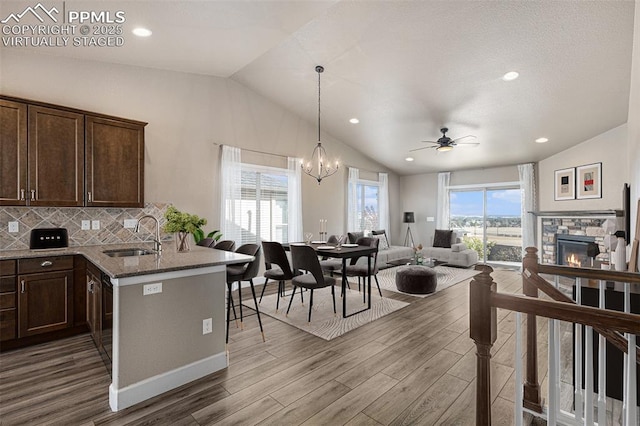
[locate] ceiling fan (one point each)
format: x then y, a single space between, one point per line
445 143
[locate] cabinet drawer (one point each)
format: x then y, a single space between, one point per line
7 300
7 267
44 264
7 284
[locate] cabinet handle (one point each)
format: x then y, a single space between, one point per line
46 263
22 287
22 195
33 195
89 196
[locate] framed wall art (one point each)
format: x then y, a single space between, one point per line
565 184
589 184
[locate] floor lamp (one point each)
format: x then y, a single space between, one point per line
408 218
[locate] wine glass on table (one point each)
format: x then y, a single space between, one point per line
340 240
307 237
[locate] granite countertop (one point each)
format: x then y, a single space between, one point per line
120 267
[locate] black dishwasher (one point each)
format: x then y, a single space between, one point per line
107 320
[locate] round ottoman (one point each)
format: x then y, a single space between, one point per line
415 279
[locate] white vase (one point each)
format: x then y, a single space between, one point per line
620 257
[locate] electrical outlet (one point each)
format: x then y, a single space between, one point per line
14 226
86 225
207 326
95 224
130 223
154 288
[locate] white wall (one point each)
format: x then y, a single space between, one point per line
188 116
634 121
607 148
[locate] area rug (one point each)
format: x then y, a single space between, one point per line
323 322
447 276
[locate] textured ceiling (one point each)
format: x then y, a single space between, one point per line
406 68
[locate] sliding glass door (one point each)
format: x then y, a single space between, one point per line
489 218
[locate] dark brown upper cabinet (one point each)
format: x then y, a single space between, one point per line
13 153
115 162
57 156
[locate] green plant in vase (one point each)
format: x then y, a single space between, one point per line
183 224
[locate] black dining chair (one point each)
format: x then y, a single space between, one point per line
305 257
361 270
329 264
277 268
226 245
239 273
207 242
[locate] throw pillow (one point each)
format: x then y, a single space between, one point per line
442 238
458 247
353 236
382 236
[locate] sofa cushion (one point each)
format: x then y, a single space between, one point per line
457 247
353 236
382 236
442 238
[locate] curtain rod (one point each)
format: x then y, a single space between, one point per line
254 150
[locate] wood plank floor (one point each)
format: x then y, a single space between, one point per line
414 366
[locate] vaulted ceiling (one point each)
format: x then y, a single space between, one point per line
403 68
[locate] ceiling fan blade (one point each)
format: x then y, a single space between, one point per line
420 149
463 137
430 142
467 144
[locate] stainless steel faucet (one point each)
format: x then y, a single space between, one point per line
157 244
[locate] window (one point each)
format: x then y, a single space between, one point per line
367 205
263 204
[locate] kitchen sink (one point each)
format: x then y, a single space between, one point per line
128 252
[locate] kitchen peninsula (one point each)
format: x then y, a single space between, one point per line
159 305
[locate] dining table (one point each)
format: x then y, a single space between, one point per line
345 252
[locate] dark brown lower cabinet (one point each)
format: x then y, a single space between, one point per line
8 303
94 304
45 302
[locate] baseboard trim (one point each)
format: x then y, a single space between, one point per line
120 399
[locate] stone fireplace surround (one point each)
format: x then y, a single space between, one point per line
588 223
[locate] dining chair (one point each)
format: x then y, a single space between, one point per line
329 264
277 268
207 242
226 245
239 273
305 257
362 270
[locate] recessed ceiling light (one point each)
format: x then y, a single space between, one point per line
354 121
141 32
510 76
409 159
542 140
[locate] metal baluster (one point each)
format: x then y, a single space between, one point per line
518 373
577 374
588 372
602 369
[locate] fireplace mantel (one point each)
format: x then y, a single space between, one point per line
577 213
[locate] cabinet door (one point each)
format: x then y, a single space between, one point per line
45 302
56 157
94 308
13 153
115 163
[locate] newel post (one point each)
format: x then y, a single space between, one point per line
532 399
483 330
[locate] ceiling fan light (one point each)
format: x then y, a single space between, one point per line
444 148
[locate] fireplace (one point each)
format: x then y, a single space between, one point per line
575 250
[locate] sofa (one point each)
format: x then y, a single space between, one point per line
446 247
449 248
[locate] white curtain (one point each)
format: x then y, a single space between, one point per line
442 216
352 199
528 203
230 180
383 200
294 201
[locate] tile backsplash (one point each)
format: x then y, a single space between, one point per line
112 230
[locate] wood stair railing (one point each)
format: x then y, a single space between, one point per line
483 324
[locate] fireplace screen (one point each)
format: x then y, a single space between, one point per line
575 250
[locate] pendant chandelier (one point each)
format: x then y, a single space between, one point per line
318 167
